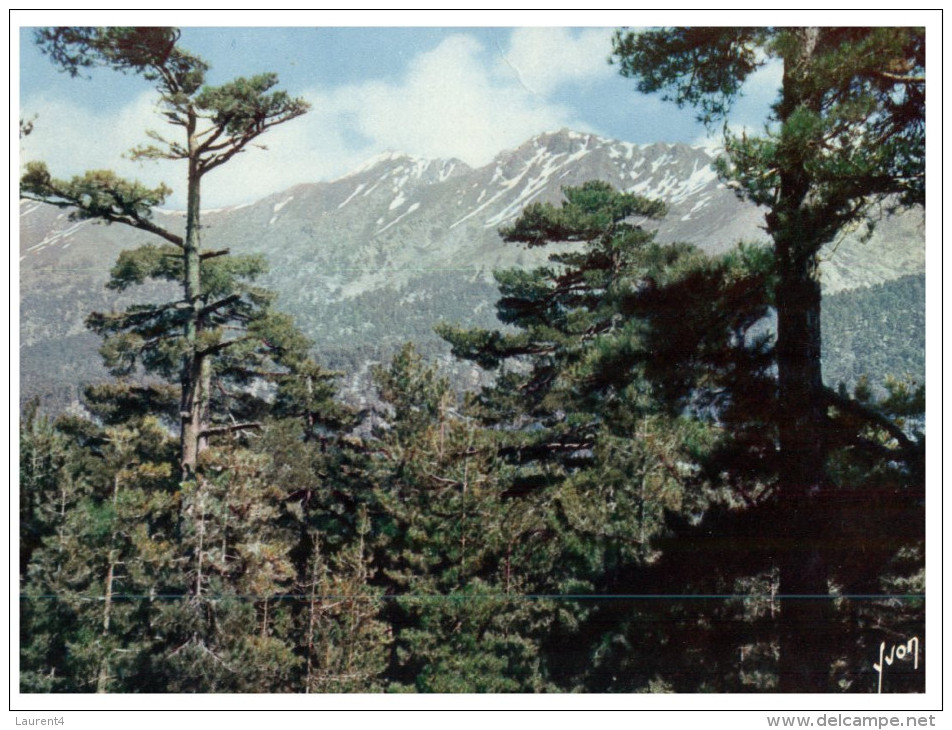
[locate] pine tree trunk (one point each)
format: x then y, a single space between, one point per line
199 570
192 368
312 616
805 608
805 612
103 680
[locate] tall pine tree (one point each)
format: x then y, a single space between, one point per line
586 441
213 124
847 131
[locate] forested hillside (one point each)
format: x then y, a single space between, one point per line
876 332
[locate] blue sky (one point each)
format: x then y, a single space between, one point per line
466 92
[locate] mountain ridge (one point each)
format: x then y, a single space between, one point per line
379 255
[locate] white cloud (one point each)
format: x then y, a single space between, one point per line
72 139
307 149
449 105
544 58
452 102
460 99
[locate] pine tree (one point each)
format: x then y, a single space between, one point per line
454 555
215 124
846 133
43 456
346 642
49 488
586 441
228 627
91 589
210 572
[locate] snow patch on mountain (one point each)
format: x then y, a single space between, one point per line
58 237
279 206
381 159
352 195
399 218
277 209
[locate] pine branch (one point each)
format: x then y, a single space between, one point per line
237 144
900 79
221 346
214 254
220 304
128 218
214 430
855 408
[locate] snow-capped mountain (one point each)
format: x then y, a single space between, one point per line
376 257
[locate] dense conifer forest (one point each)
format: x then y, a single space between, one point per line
656 491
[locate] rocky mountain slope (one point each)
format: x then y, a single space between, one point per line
377 257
